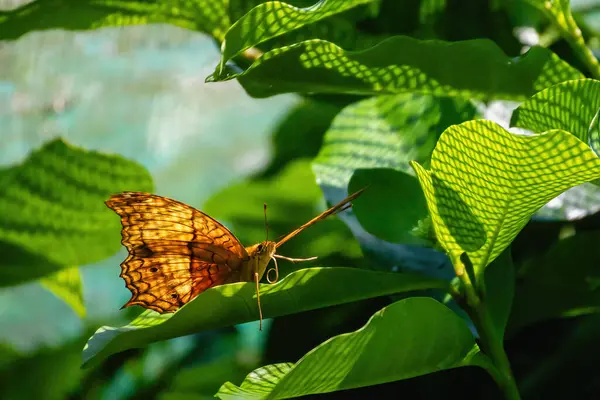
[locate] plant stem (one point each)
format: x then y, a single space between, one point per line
493 345
567 26
492 341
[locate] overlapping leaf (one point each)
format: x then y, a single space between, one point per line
572 106
53 211
385 132
474 68
208 16
485 183
411 337
379 132
275 18
227 305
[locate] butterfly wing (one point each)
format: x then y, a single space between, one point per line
175 251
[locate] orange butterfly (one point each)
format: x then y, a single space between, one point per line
176 252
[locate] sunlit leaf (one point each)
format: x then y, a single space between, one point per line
572 106
53 211
379 132
209 16
485 183
474 68
409 338
275 18
66 285
231 304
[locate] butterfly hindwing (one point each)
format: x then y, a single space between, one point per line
175 251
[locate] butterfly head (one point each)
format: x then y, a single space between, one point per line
262 253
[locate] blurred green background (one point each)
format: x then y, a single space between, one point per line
138 92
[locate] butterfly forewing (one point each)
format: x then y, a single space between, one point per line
175 251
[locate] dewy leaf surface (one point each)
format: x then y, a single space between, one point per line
409 338
474 68
52 208
209 16
275 18
227 305
485 183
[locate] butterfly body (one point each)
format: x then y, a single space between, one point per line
259 257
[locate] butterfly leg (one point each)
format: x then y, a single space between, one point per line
256 279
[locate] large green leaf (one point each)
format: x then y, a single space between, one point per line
53 211
385 133
275 18
231 304
66 285
571 106
378 132
485 183
474 68
409 338
565 281
574 107
208 16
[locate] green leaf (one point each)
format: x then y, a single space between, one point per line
474 68
209 16
485 183
275 18
571 106
53 209
563 282
66 285
226 305
499 281
412 337
392 206
379 132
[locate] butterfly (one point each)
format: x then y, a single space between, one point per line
176 251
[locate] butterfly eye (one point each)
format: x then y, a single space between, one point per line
260 247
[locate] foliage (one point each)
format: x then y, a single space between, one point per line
392 100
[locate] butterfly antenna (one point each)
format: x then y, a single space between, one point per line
339 207
258 299
266 224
